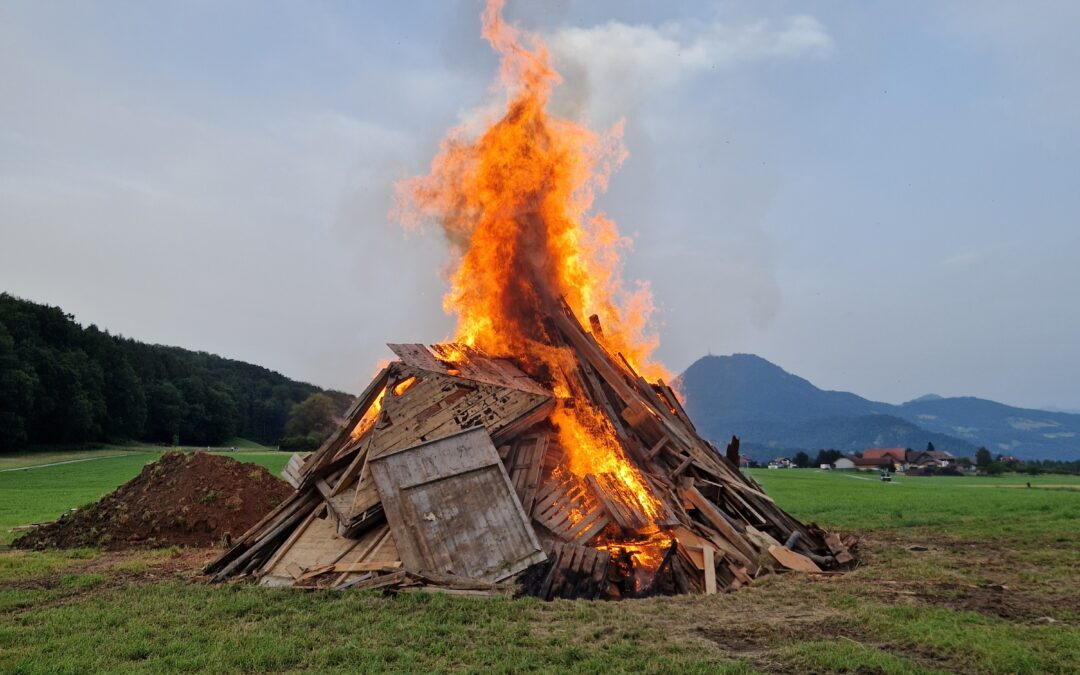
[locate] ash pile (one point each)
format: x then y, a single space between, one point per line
458 472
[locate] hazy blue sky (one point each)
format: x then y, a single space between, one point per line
881 197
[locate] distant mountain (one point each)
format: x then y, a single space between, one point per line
1023 432
772 410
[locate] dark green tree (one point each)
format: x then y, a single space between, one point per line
827 456
17 385
316 414
164 412
62 383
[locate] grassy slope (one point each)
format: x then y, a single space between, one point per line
903 611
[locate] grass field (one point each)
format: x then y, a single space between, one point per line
959 575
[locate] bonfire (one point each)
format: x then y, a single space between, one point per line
540 448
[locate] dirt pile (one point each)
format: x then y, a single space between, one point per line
181 499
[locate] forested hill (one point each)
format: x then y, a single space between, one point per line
62 383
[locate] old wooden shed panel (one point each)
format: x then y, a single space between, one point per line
453 510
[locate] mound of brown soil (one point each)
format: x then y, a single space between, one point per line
181 499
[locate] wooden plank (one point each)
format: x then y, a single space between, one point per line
441 406
453 510
522 462
330 447
364 566
585 536
576 572
467 363
656 448
283 549
318 546
418 356
538 413
291 472
281 512
305 504
792 560
379 581
673 399
712 514
710 571
683 466
626 516
591 351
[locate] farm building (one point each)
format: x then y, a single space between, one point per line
873 463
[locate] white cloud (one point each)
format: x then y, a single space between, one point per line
608 64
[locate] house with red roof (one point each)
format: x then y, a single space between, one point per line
897 455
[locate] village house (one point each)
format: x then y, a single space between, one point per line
873 463
780 463
898 456
844 463
935 458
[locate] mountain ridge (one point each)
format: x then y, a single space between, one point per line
772 409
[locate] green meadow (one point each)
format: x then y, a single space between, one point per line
958 575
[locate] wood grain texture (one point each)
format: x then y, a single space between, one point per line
453 509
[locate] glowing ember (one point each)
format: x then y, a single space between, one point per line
368 420
403 386
644 556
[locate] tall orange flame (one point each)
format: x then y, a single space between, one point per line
515 202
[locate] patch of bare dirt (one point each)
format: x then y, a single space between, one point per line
182 499
997 600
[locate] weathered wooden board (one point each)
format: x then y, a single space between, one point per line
564 507
292 471
792 560
441 405
522 463
453 510
467 363
437 406
318 544
575 572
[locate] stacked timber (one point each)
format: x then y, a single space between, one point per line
448 475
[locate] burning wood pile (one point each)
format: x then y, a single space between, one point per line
530 452
452 472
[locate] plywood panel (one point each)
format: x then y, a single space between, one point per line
453 510
319 544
